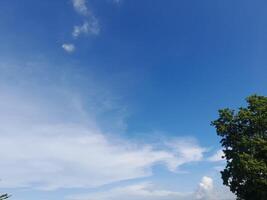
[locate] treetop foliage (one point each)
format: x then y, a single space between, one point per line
244 142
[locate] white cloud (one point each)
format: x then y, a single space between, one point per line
48 140
218 156
205 190
80 7
65 156
141 191
87 27
194 153
69 48
90 25
147 191
56 145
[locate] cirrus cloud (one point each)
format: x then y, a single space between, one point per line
57 144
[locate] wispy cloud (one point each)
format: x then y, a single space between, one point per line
86 28
81 7
141 191
64 156
69 48
58 144
148 191
90 25
180 147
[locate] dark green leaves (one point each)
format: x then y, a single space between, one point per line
244 141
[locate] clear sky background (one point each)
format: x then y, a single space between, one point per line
113 99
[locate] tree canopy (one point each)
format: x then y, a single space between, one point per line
244 140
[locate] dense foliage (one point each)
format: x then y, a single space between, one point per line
244 142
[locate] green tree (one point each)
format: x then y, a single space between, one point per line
244 142
4 196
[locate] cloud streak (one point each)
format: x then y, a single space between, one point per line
90 25
57 144
141 191
62 156
148 191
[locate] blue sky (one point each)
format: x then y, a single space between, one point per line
113 99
